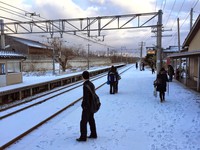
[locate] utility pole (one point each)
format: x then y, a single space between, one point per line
159 42
53 57
54 60
2 35
60 56
191 18
88 65
141 48
179 47
108 52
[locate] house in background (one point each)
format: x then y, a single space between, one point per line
39 56
190 53
10 68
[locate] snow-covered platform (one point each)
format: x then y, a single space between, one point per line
133 119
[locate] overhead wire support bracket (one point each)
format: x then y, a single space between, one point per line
32 14
88 24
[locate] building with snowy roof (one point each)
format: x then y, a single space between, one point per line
39 55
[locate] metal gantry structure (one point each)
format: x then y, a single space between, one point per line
88 25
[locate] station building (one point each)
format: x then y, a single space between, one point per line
191 55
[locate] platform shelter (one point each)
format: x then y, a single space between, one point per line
10 68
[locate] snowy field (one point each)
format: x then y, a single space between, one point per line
133 119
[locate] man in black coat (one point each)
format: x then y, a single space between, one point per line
112 78
87 116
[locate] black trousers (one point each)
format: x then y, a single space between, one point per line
170 77
112 88
116 87
162 96
85 118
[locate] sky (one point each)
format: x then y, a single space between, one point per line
132 119
125 40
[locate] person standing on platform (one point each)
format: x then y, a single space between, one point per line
143 66
170 72
87 116
152 69
117 81
161 83
112 79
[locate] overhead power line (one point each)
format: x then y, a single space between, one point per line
13 13
24 12
163 8
178 13
196 4
170 12
8 18
13 6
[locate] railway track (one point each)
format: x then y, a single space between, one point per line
43 98
14 138
20 102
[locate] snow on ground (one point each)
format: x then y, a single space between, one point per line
133 119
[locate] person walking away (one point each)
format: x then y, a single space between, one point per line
143 66
87 116
161 83
152 69
136 65
170 72
112 78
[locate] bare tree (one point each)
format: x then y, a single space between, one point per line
62 53
66 54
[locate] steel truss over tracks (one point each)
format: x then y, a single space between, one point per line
89 24
82 24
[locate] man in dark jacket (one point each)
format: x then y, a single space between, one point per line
87 116
112 78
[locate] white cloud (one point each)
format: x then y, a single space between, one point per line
98 1
136 6
61 8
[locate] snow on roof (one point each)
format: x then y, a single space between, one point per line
171 49
30 43
10 54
